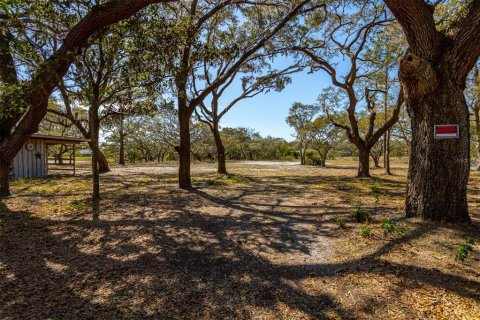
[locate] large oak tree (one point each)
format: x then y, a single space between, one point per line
433 74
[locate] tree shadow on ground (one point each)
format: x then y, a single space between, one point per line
181 262
347 191
188 255
184 267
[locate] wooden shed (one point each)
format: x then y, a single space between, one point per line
32 160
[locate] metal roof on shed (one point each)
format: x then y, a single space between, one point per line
58 139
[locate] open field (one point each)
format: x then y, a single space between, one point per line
271 241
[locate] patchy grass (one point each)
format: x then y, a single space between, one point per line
230 179
366 231
269 241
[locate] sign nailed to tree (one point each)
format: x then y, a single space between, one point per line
446 131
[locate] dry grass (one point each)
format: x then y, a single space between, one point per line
262 243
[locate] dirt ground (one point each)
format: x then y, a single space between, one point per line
270 241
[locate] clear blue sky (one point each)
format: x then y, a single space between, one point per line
266 113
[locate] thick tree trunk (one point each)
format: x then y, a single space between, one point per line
94 134
438 168
4 179
184 177
363 163
222 167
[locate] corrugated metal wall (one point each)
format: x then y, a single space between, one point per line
31 164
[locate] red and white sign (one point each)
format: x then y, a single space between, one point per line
446 131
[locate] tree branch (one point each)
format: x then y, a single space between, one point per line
466 46
390 122
248 53
416 18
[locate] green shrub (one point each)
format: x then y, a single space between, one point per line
312 158
378 191
366 231
388 226
132 155
402 230
213 182
464 249
359 213
289 157
341 222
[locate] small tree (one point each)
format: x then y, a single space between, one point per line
376 153
300 117
324 136
241 143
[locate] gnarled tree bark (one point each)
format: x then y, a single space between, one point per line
439 168
433 75
363 162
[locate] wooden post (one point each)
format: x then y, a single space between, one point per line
46 159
